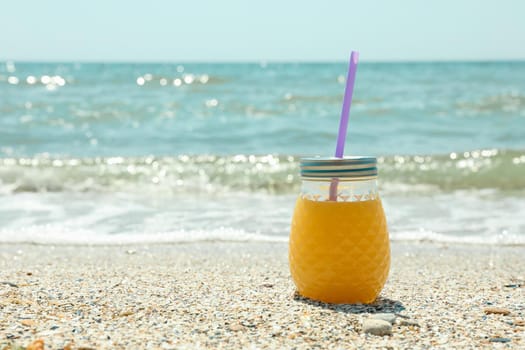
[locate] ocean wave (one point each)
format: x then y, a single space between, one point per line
480 169
193 174
512 102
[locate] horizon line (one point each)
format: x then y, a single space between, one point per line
264 61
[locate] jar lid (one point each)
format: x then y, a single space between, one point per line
346 167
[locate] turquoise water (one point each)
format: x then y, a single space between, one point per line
104 153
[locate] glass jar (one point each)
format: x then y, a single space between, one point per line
339 248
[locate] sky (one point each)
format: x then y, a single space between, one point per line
273 30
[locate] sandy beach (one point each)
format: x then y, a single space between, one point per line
240 295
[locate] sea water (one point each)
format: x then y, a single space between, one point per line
94 153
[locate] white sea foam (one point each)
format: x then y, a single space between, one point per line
467 217
58 235
422 235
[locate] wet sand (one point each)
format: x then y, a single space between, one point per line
240 295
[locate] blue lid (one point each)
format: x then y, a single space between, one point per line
346 167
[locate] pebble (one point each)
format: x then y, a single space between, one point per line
496 310
389 317
409 323
28 323
500 340
10 284
236 327
519 322
126 313
377 327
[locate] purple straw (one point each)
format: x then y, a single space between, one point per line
343 124
347 101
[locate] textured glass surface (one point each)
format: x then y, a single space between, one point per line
347 191
339 250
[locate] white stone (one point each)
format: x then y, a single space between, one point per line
377 327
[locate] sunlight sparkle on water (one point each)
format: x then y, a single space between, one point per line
31 80
58 80
212 103
204 78
45 79
188 78
13 80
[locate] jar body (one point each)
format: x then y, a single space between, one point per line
339 250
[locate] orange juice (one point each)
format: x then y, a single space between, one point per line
339 250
